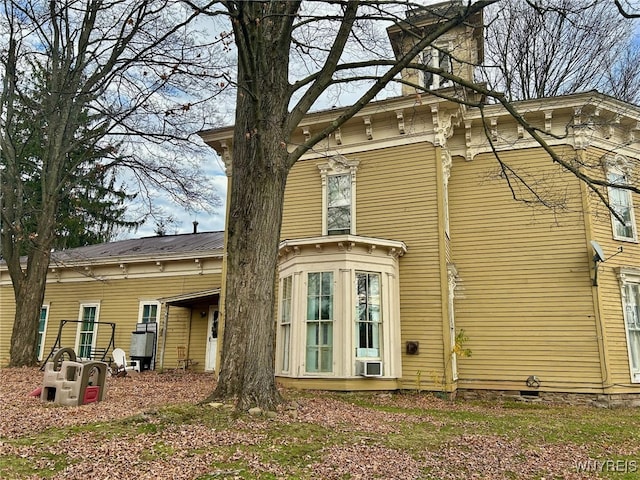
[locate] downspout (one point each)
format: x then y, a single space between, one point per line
163 344
595 291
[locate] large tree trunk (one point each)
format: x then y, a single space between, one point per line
247 371
29 295
260 166
29 287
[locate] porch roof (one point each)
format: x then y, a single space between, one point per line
188 299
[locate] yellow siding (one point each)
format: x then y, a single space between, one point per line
524 297
198 335
609 289
302 214
396 200
119 302
7 311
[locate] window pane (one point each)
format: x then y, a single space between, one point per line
319 349
149 313
313 355
86 331
445 62
285 320
621 203
339 218
634 350
313 284
285 314
427 59
88 316
286 341
632 317
374 313
326 359
368 314
313 311
327 283
327 308
339 203
41 331
339 190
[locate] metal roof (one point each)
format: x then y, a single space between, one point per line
158 246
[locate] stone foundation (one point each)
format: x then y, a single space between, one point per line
588 399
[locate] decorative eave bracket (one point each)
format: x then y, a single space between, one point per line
368 128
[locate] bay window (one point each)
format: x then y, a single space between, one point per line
339 306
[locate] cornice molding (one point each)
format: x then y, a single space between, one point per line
342 243
580 120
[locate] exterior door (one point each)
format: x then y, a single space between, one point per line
212 340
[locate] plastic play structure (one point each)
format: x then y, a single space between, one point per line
72 383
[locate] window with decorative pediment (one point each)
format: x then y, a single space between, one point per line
620 200
338 196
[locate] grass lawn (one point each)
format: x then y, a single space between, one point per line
317 435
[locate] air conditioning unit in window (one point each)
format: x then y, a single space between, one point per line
369 368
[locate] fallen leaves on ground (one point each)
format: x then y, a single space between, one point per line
125 396
360 447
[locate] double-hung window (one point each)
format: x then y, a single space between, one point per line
285 321
42 329
621 202
368 315
339 196
631 306
86 339
339 204
436 58
319 354
149 312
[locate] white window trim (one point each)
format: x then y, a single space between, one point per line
338 165
621 165
141 306
434 54
282 346
331 321
94 337
380 322
626 276
44 332
363 254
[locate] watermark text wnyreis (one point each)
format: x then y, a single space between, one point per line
609 465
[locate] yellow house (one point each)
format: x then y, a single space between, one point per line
402 245
156 298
